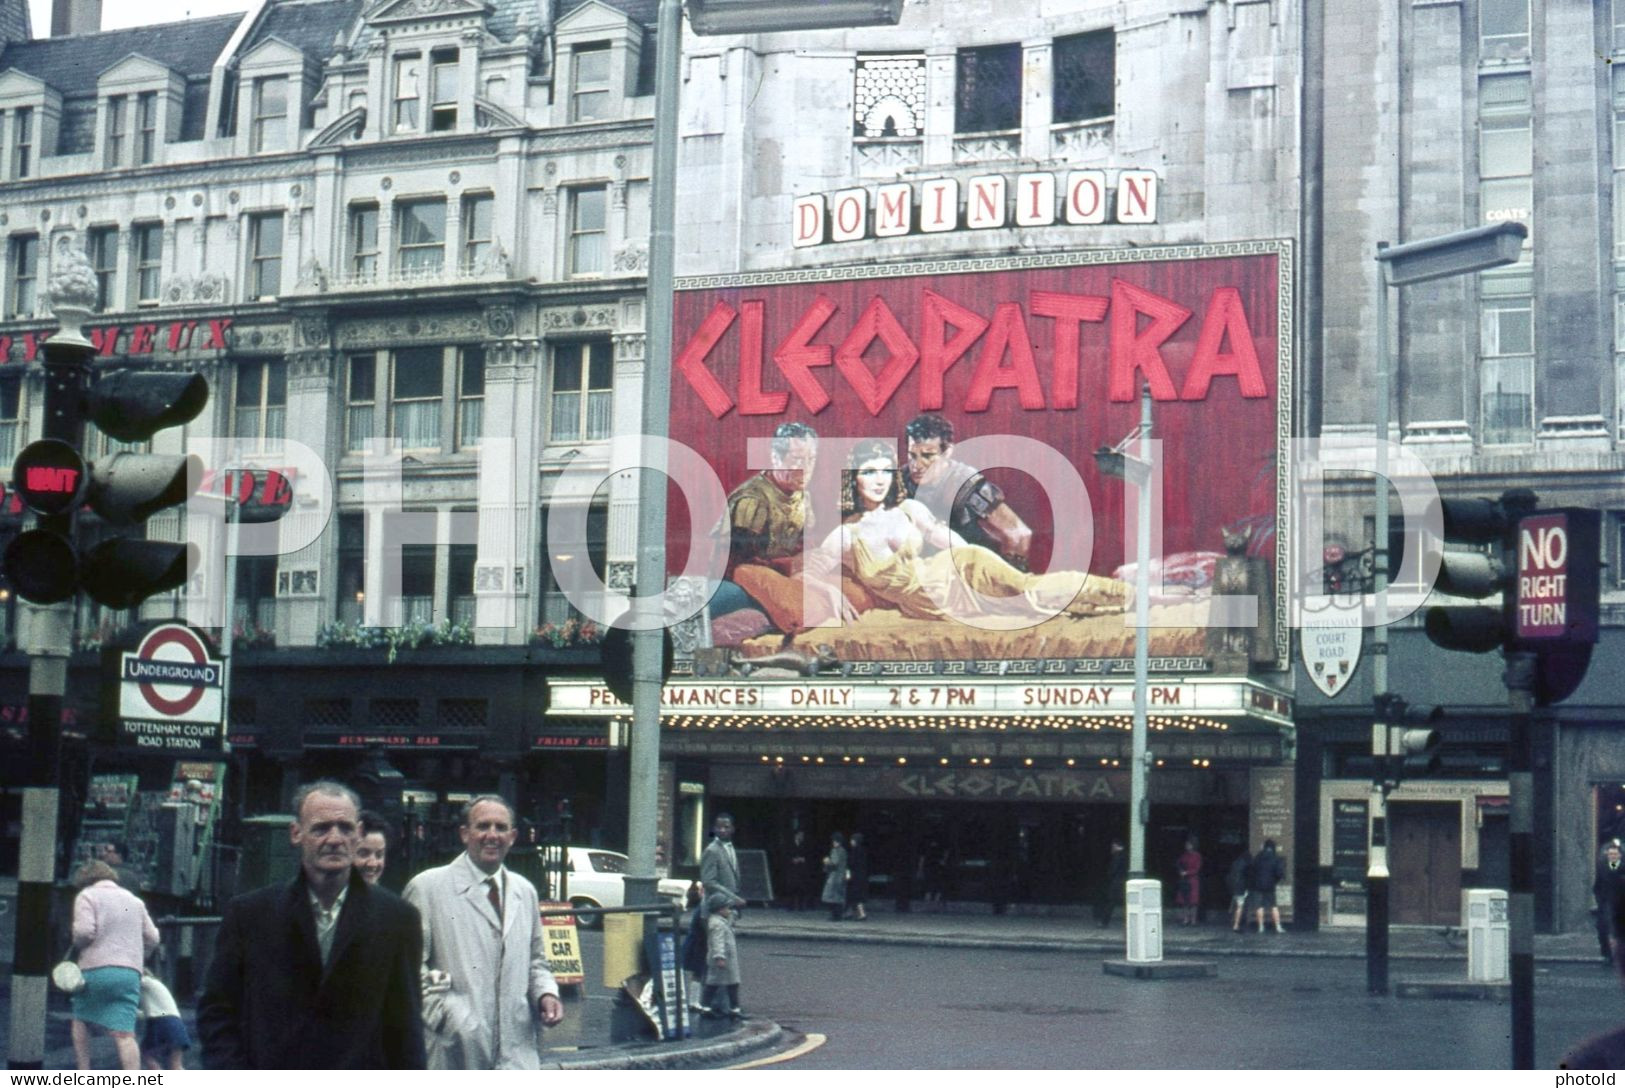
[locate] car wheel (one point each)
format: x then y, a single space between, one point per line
587 921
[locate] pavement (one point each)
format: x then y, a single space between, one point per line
602 1032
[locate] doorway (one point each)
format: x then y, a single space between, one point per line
1424 860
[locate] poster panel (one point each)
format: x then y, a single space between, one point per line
961 531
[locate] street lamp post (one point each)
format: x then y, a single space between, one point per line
1457 254
1136 469
648 642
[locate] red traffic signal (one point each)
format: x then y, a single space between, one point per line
49 475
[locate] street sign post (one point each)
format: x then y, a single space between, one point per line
1557 587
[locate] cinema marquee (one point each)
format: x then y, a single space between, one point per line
1038 199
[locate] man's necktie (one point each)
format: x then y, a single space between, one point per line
493 895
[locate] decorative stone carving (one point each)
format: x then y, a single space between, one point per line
682 594
566 318
494 262
73 281
312 275
313 330
210 287
550 202
177 289
499 321
632 257
620 575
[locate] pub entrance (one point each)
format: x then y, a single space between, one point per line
1424 858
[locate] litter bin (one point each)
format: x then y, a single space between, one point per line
1485 910
1144 921
623 948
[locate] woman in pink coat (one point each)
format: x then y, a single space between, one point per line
1189 893
113 934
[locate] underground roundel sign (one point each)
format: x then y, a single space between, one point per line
170 693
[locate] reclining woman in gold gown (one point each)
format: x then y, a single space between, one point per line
906 557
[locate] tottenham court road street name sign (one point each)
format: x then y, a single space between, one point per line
170 694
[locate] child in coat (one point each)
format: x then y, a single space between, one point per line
166 1040
722 963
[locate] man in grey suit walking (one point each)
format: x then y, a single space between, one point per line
719 865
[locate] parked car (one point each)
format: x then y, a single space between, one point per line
596 878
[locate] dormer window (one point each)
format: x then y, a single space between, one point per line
115 130
146 127
443 90
589 82
407 71
22 142
269 125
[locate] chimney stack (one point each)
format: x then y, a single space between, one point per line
72 17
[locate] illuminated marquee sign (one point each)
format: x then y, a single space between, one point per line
1106 699
1038 199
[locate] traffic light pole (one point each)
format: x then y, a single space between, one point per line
1376 878
48 636
1520 682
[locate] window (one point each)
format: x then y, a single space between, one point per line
265 255
268 129
115 130
352 567
420 236
24 275
22 142
416 397
262 401
361 402
987 94
443 90
417 580
460 563
1505 148
589 82
149 252
1619 26
364 241
477 212
11 417
470 397
254 607
587 231
146 127
582 391
1085 76
1503 27
1507 364
556 608
102 249
407 67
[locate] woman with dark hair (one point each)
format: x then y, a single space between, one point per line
373 851
857 885
113 934
904 556
835 875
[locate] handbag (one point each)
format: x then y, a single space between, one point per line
67 977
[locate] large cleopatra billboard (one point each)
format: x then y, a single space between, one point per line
909 453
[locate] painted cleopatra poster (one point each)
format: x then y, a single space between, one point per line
923 493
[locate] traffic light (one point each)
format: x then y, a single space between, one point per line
1544 565
615 654
1409 745
124 489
